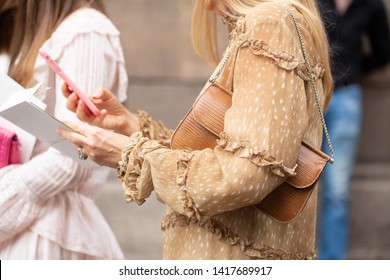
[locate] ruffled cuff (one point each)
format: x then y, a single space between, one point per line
244 149
152 129
129 168
189 207
132 172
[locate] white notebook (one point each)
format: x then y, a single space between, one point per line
23 113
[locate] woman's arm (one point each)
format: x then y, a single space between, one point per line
114 116
25 189
257 151
259 146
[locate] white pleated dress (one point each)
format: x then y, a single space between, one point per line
47 209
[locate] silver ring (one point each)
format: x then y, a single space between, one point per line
82 156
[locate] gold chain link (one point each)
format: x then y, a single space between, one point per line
305 56
221 64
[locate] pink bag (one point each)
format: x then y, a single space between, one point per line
9 148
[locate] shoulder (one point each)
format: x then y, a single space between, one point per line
86 20
268 20
85 23
269 12
270 31
271 24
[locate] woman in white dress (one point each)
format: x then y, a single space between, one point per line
46 204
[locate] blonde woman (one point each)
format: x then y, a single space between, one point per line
46 204
210 192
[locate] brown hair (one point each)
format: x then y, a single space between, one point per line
204 30
35 21
7 22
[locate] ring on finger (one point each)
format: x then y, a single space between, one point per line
82 156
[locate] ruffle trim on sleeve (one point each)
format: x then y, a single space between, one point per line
285 60
152 129
245 149
318 71
130 167
229 237
189 207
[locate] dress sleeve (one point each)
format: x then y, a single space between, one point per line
26 188
91 62
154 130
257 150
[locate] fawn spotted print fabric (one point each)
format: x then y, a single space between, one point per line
209 193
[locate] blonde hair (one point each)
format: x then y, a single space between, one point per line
204 30
35 21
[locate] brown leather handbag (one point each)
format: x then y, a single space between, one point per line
200 129
202 125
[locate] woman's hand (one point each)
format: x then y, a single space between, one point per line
101 145
114 116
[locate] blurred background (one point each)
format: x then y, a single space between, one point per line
165 76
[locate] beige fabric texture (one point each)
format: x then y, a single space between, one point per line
209 194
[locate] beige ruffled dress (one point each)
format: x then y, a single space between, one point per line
209 193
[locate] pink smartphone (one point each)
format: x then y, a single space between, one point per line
70 83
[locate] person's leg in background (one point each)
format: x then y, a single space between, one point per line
343 119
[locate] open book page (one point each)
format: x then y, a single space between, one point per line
23 110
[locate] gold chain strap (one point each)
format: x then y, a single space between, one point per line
305 56
221 65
